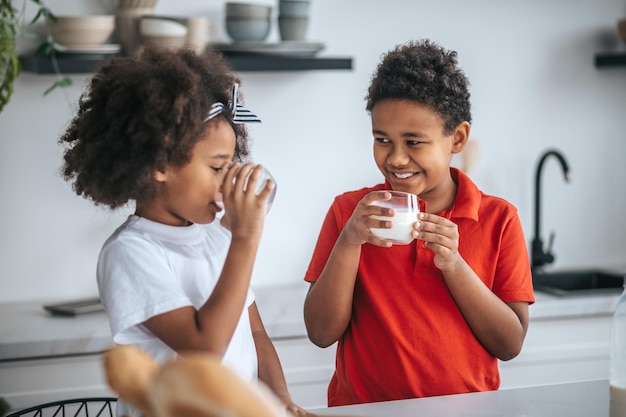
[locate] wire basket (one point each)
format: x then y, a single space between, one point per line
79 407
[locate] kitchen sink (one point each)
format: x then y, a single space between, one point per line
579 282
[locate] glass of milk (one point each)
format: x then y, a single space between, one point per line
260 185
265 175
406 210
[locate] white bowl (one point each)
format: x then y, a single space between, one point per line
248 29
81 30
161 26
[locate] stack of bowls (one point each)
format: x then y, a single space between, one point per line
127 16
248 22
293 19
163 31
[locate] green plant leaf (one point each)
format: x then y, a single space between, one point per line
43 11
63 82
46 48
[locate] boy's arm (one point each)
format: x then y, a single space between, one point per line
328 304
270 370
500 327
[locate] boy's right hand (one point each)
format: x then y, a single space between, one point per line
357 230
244 211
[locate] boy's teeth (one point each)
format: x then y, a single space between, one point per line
407 175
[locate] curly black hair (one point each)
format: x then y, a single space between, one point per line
141 114
424 72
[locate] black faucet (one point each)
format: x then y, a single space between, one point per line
540 258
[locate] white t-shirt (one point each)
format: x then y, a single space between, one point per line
147 268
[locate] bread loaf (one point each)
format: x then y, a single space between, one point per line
192 385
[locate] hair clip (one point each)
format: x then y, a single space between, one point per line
239 113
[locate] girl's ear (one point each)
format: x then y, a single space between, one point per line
160 176
460 136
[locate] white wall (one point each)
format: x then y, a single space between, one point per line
534 86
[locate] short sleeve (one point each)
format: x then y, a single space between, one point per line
135 283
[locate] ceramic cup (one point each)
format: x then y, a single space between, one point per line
293 28
127 28
198 34
406 210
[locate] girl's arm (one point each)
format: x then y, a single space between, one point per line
270 369
328 304
211 327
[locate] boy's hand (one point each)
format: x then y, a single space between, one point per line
442 237
357 230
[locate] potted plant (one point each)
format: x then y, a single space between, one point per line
11 23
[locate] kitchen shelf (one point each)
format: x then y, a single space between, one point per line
87 63
606 60
286 63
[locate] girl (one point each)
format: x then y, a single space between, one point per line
162 131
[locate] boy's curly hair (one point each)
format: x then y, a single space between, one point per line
143 114
424 72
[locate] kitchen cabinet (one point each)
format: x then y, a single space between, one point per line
561 349
87 63
31 382
45 358
307 369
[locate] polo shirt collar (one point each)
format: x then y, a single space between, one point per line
468 196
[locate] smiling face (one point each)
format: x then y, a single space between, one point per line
413 151
188 194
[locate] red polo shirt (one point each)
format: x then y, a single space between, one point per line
406 337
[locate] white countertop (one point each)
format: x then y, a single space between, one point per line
27 331
578 399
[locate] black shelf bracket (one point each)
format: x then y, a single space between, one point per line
606 60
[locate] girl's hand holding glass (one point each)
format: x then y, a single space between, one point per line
235 191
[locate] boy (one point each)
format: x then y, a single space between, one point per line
434 316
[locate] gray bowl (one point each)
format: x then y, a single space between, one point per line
248 29
254 10
293 8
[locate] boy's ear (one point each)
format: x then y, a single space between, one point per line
460 136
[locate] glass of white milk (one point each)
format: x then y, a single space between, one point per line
406 210
260 185
265 175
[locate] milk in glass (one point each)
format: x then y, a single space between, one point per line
406 210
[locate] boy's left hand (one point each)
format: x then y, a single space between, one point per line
442 237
